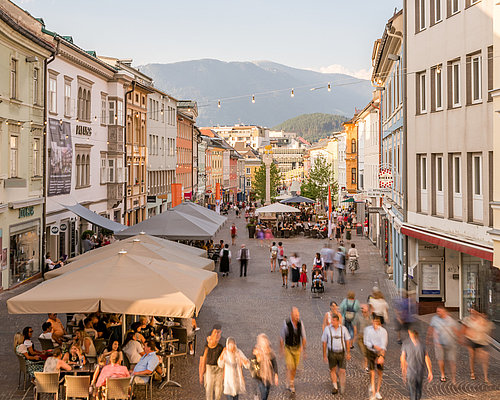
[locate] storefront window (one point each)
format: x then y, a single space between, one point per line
24 255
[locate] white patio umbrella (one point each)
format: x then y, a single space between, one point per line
135 246
277 208
123 284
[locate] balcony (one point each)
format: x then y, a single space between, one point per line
115 194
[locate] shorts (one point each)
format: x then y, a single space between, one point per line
474 345
284 272
328 266
448 353
372 361
292 357
233 235
336 358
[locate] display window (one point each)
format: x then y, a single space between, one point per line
24 255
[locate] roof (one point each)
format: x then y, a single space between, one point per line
207 132
302 140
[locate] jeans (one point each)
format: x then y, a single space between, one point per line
264 390
214 379
340 276
415 385
243 267
350 328
229 397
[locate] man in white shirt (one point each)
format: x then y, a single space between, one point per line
375 339
337 345
47 333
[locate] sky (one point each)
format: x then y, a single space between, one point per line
322 35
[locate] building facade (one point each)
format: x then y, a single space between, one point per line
341 165
85 144
161 160
23 53
351 156
186 145
450 157
251 135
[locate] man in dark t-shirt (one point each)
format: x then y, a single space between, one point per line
210 374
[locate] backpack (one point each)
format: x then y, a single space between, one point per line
282 252
350 313
274 253
233 230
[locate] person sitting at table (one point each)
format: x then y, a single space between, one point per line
58 330
55 363
33 362
113 347
99 323
136 328
86 344
27 334
101 363
47 333
190 325
75 355
89 328
112 370
147 364
132 348
147 327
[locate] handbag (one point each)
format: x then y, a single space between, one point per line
254 368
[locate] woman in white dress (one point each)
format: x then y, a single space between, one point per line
232 360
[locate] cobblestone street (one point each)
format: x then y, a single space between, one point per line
258 303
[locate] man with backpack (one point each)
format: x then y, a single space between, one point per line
340 266
349 308
336 351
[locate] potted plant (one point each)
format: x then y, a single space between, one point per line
251 229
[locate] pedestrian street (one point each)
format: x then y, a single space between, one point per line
257 304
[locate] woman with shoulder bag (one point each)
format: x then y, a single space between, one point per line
263 367
353 257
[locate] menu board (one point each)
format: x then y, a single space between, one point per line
430 281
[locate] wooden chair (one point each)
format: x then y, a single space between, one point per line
100 345
181 335
77 386
148 386
22 371
46 382
117 389
46 344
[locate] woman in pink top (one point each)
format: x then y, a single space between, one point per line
112 370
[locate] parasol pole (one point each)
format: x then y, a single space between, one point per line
329 212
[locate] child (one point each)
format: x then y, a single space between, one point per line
303 276
317 278
284 271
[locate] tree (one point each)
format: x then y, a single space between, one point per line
320 177
259 183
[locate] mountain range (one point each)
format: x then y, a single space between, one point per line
234 83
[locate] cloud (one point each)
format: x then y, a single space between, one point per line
340 69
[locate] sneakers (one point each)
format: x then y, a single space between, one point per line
191 352
334 390
378 396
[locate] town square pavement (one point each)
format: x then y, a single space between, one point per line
258 303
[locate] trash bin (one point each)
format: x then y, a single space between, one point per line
348 235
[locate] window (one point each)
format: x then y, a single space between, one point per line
52 95
13 79
475 79
83 167
420 14
439 173
453 7
67 99
454 84
36 85
353 146
84 103
14 156
36 157
353 176
437 89
490 72
421 93
111 170
457 181
248 170
119 112
103 169
477 175
104 111
436 11
112 117
423 173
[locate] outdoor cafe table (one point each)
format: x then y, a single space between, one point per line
87 369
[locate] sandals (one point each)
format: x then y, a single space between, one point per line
473 377
443 379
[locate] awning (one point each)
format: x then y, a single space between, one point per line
450 242
95 219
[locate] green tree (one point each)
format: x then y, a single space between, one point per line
320 177
259 183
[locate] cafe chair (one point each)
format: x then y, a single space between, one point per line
23 372
46 344
46 382
100 345
117 389
148 386
181 335
77 386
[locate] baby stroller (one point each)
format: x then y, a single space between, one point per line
317 285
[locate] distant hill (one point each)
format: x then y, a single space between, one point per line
208 80
313 127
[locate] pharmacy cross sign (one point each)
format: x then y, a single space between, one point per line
385 178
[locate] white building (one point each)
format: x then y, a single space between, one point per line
161 158
341 165
450 154
85 136
252 135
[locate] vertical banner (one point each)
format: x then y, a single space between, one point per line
60 158
176 194
329 212
217 197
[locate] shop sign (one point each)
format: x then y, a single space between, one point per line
151 199
385 178
63 227
26 211
83 130
54 230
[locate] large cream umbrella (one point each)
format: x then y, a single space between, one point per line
138 247
124 284
276 208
